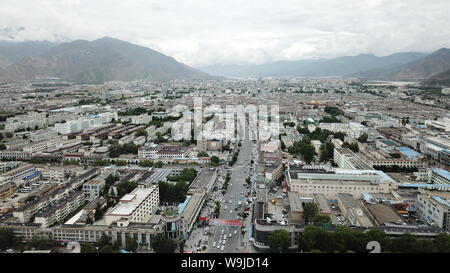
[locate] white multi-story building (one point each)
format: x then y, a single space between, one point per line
92 189
137 206
163 152
139 140
434 208
58 212
18 173
43 135
141 119
331 183
83 123
15 155
438 176
29 120
53 173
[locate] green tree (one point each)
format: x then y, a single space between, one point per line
131 244
363 138
106 249
88 248
279 240
146 163
39 242
203 154
322 219
214 161
8 239
310 211
158 164
141 132
161 244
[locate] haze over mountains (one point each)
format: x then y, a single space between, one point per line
105 59
400 66
108 59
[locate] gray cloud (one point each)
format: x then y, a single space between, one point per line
203 32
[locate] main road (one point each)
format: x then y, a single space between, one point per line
237 185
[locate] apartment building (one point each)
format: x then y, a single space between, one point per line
438 176
7 189
83 123
18 173
163 152
43 135
59 211
433 207
137 206
141 119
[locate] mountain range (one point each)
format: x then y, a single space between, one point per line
97 61
341 66
409 66
108 59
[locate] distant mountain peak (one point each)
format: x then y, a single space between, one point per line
101 60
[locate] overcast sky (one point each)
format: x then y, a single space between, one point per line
204 32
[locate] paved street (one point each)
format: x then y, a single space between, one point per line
239 172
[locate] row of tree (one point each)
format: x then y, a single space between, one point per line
187 175
149 164
344 240
321 134
352 146
172 193
115 150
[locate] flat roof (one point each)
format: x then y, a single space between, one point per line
410 153
130 202
295 202
442 172
384 214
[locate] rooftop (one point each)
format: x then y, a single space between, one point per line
130 202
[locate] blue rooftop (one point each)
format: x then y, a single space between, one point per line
440 200
410 153
31 175
183 205
442 172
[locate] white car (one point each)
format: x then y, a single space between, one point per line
222 248
225 207
235 231
231 211
213 244
221 233
230 235
218 245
